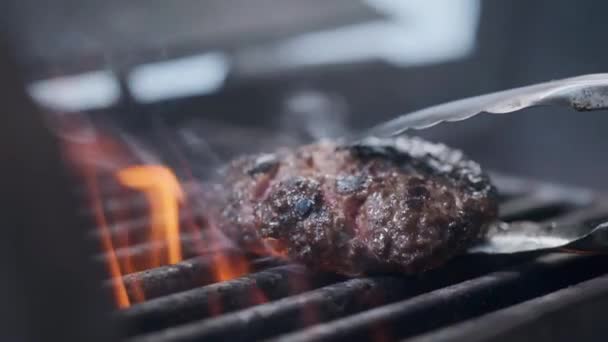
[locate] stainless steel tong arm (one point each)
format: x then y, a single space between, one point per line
582 93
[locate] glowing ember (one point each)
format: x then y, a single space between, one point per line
163 193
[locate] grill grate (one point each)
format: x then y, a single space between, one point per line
283 302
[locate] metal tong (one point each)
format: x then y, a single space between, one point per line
582 93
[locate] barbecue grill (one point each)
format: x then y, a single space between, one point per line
62 292
474 297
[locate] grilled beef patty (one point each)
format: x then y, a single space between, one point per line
385 205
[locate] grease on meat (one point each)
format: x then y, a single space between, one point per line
385 205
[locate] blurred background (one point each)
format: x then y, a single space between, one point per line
215 78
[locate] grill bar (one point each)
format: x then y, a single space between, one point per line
325 303
566 315
591 215
117 198
511 187
138 229
310 307
287 303
139 255
461 301
193 244
185 275
533 208
219 298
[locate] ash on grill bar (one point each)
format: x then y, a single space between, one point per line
145 201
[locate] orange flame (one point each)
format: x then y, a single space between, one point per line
104 159
227 268
82 153
163 192
118 287
134 288
101 158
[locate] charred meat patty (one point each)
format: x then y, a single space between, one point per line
384 205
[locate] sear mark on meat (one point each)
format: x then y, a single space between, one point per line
385 205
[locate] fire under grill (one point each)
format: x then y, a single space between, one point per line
173 281
556 296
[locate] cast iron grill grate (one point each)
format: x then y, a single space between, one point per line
472 298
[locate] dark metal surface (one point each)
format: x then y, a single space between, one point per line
268 319
322 304
138 255
186 275
454 303
50 288
225 296
570 314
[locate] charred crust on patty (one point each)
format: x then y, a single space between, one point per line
382 205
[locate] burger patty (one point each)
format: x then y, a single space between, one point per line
384 205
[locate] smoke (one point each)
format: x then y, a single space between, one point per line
309 115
